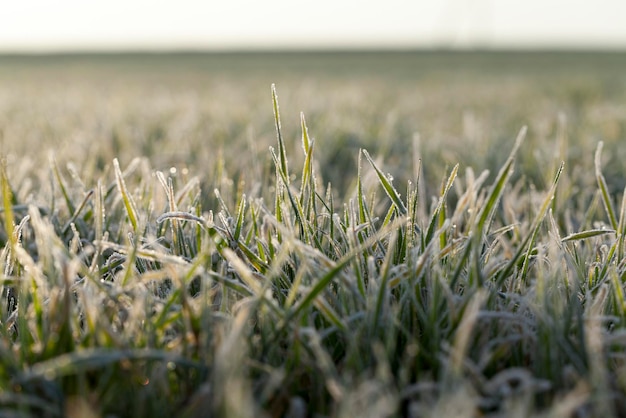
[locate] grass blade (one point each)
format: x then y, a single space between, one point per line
282 153
387 186
129 204
497 189
440 204
577 236
606 198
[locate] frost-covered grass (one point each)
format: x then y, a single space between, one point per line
239 282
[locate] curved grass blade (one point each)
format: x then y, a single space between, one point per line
78 210
68 201
498 187
359 194
577 236
384 279
129 204
606 198
240 217
387 186
7 199
621 231
442 199
282 154
93 359
306 143
529 241
483 220
294 202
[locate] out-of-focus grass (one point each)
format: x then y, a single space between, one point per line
192 109
158 260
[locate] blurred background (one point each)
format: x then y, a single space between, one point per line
187 84
70 25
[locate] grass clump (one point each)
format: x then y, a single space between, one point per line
133 293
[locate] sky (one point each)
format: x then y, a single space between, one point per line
70 25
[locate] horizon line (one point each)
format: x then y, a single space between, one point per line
311 50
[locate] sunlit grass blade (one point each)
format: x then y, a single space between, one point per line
483 221
306 143
307 174
621 230
577 236
243 271
321 285
527 245
484 218
241 211
282 153
168 188
359 191
294 202
543 210
440 204
129 204
387 186
61 182
329 313
145 253
7 201
78 210
606 197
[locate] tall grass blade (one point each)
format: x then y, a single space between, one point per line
62 186
387 186
241 211
7 201
495 193
528 242
621 230
129 204
606 198
577 236
295 204
440 204
282 153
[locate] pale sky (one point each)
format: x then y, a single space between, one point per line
43 25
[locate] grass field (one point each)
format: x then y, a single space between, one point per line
437 234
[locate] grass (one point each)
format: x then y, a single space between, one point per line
243 283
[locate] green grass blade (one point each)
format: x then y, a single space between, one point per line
606 197
543 210
295 204
96 358
241 211
387 186
384 279
527 244
307 173
621 231
78 210
61 182
306 143
129 204
282 153
495 193
434 221
359 188
7 199
577 236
